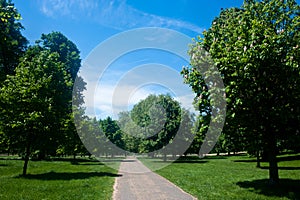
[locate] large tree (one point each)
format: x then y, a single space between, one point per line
33 101
69 55
12 42
256 48
159 118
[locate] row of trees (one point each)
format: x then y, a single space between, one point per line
36 86
38 98
257 51
255 48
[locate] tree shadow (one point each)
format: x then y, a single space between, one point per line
3 165
288 158
279 159
67 175
75 162
72 159
283 168
288 188
183 159
217 157
246 161
128 161
190 161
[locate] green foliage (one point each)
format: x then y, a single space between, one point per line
159 119
12 43
69 55
256 49
112 132
30 101
149 127
67 50
36 97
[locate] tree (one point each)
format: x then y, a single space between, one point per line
113 133
132 133
256 49
67 50
69 55
159 118
12 42
32 101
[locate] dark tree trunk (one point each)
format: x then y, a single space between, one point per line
257 159
27 155
273 167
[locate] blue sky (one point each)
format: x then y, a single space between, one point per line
88 23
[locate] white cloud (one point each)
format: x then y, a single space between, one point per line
114 94
115 14
104 103
70 8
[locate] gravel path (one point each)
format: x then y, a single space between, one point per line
137 182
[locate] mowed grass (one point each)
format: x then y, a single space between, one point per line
232 177
59 179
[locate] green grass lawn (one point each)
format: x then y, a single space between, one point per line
233 177
59 179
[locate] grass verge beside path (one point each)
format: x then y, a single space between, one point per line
232 177
60 179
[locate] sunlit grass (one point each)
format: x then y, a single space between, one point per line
233 177
58 179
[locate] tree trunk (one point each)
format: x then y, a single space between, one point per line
27 155
273 167
257 159
165 157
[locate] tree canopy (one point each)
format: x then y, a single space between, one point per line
12 42
256 49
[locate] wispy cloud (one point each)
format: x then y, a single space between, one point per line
116 14
70 8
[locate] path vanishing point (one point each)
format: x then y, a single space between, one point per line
137 182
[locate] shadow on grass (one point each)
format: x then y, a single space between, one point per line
187 159
67 175
283 168
279 159
288 188
3 165
288 158
72 159
190 161
128 161
217 157
75 162
246 161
